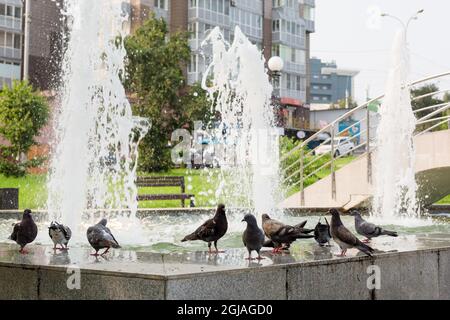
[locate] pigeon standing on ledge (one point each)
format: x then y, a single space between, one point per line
369 230
60 234
322 233
212 230
283 235
99 237
25 231
344 238
253 237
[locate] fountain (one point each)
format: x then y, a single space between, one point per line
237 80
93 165
394 176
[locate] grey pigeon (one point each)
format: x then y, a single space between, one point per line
344 238
212 230
99 237
60 234
25 231
283 235
322 233
369 230
253 237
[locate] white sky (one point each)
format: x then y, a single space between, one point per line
347 31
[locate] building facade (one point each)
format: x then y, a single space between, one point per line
277 27
11 35
329 84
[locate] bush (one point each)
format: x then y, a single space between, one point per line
23 113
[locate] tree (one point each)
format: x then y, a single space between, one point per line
425 102
344 103
155 64
23 113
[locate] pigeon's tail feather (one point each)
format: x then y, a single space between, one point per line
365 248
190 237
389 233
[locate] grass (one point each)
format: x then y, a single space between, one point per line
33 189
446 200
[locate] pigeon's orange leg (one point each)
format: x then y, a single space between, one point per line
106 251
23 251
366 240
95 254
217 250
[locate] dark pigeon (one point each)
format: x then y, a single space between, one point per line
25 231
283 235
344 238
60 234
322 233
369 230
253 237
100 237
212 230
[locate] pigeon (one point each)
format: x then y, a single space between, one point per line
99 237
25 231
283 235
212 230
60 234
369 230
253 237
322 233
344 238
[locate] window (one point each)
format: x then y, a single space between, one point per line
214 6
161 4
293 58
10 11
276 25
17 12
288 81
220 9
192 68
192 28
208 4
227 7
2 9
17 41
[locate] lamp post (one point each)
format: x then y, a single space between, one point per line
415 16
275 65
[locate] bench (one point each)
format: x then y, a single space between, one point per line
167 181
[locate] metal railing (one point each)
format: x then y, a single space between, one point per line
310 162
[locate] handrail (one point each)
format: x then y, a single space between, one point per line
330 129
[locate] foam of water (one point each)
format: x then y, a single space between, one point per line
93 164
238 80
394 176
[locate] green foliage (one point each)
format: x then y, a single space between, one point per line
292 164
343 103
23 113
426 102
155 76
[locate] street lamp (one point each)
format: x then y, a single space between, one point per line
275 65
415 16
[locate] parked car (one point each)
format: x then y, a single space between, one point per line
342 146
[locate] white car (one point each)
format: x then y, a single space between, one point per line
342 146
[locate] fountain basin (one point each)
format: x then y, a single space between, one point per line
416 265
135 274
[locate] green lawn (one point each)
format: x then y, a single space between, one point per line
33 189
446 200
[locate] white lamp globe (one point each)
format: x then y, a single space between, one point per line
275 64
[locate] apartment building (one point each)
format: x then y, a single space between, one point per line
11 36
277 27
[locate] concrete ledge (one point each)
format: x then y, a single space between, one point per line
419 274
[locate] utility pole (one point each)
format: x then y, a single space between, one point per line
26 42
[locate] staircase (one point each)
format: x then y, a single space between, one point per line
351 185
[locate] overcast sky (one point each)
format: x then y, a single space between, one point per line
350 32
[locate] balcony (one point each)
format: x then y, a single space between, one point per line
10 53
11 23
